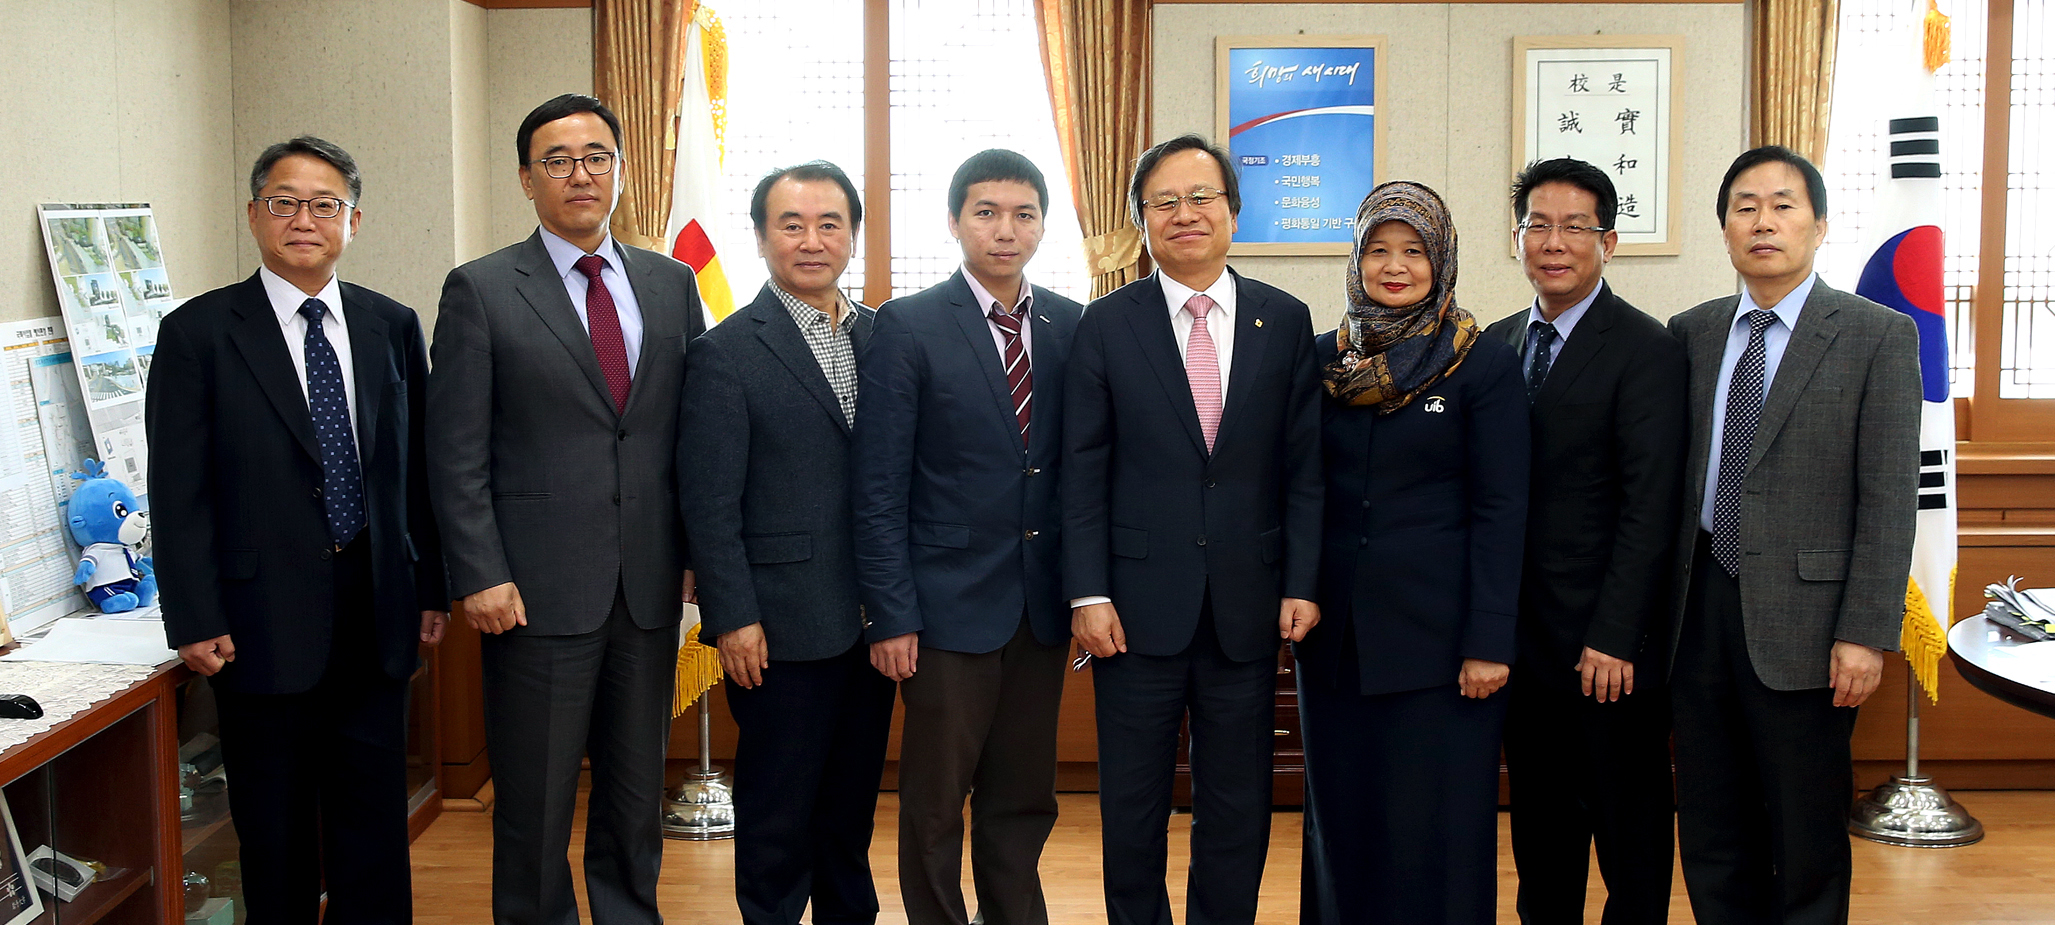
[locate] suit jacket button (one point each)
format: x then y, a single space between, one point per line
1365 542
1202 539
1031 534
317 491
325 555
1366 504
623 435
1209 483
617 498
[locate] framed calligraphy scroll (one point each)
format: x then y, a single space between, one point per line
1610 100
1298 115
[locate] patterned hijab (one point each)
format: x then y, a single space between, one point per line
1389 356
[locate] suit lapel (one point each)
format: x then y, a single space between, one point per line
1808 345
970 319
1051 347
780 334
1249 344
258 338
1516 334
371 368
544 290
1586 340
1149 319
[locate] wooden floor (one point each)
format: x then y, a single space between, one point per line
2009 877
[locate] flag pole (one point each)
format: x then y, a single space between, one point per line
1909 810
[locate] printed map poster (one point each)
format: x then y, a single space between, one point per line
108 264
1609 101
1298 115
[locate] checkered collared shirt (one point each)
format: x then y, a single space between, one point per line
833 347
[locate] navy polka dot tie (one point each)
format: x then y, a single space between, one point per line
342 478
1737 438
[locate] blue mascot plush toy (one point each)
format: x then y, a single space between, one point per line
107 520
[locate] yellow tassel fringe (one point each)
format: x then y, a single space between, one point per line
699 669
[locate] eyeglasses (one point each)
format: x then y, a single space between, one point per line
597 164
1198 198
321 206
1572 232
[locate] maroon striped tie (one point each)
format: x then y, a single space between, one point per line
1020 374
604 323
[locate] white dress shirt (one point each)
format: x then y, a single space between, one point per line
614 274
1219 322
1564 323
286 300
1774 339
1026 304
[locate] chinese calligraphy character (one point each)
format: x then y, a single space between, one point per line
1568 122
1625 164
1627 118
1580 84
1618 84
1628 207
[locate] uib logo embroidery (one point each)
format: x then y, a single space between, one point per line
1434 405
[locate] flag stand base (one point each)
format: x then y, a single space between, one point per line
1911 812
1908 810
703 806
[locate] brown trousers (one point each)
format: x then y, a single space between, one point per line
984 727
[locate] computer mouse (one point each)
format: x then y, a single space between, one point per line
19 706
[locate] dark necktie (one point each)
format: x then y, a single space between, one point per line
604 324
342 477
1537 365
1020 373
1737 437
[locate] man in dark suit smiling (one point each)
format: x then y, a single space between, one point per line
295 545
1191 518
1587 736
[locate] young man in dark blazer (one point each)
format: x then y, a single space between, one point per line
1800 493
552 441
1587 735
957 530
1191 518
295 545
763 468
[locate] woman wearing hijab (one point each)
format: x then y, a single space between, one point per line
1424 432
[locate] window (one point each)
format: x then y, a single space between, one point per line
964 75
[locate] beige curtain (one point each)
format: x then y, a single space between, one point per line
1794 74
638 65
1095 54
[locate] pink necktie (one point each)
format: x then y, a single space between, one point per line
1202 367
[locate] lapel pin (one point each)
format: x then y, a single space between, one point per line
1435 404
1045 319
1259 322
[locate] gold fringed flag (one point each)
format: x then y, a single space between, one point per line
696 178
699 669
1904 273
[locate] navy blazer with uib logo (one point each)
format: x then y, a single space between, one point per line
1426 516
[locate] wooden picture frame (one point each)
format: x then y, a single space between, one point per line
1297 115
1633 127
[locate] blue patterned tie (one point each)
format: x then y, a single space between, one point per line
1537 366
342 478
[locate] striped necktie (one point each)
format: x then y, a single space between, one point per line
1020 373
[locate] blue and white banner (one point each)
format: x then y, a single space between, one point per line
1301 125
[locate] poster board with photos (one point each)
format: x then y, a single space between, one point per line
109 267
1298 115
1611 101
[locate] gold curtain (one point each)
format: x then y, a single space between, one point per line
638 65
1794 74
1095 54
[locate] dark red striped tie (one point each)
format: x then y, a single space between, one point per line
1020 374
604 324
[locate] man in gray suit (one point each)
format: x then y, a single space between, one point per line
1800 491
552 433
763 466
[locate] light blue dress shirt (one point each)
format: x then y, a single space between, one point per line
1774 339
614 274
1564 324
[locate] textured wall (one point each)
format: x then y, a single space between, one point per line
117 101
1449 124
531 55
